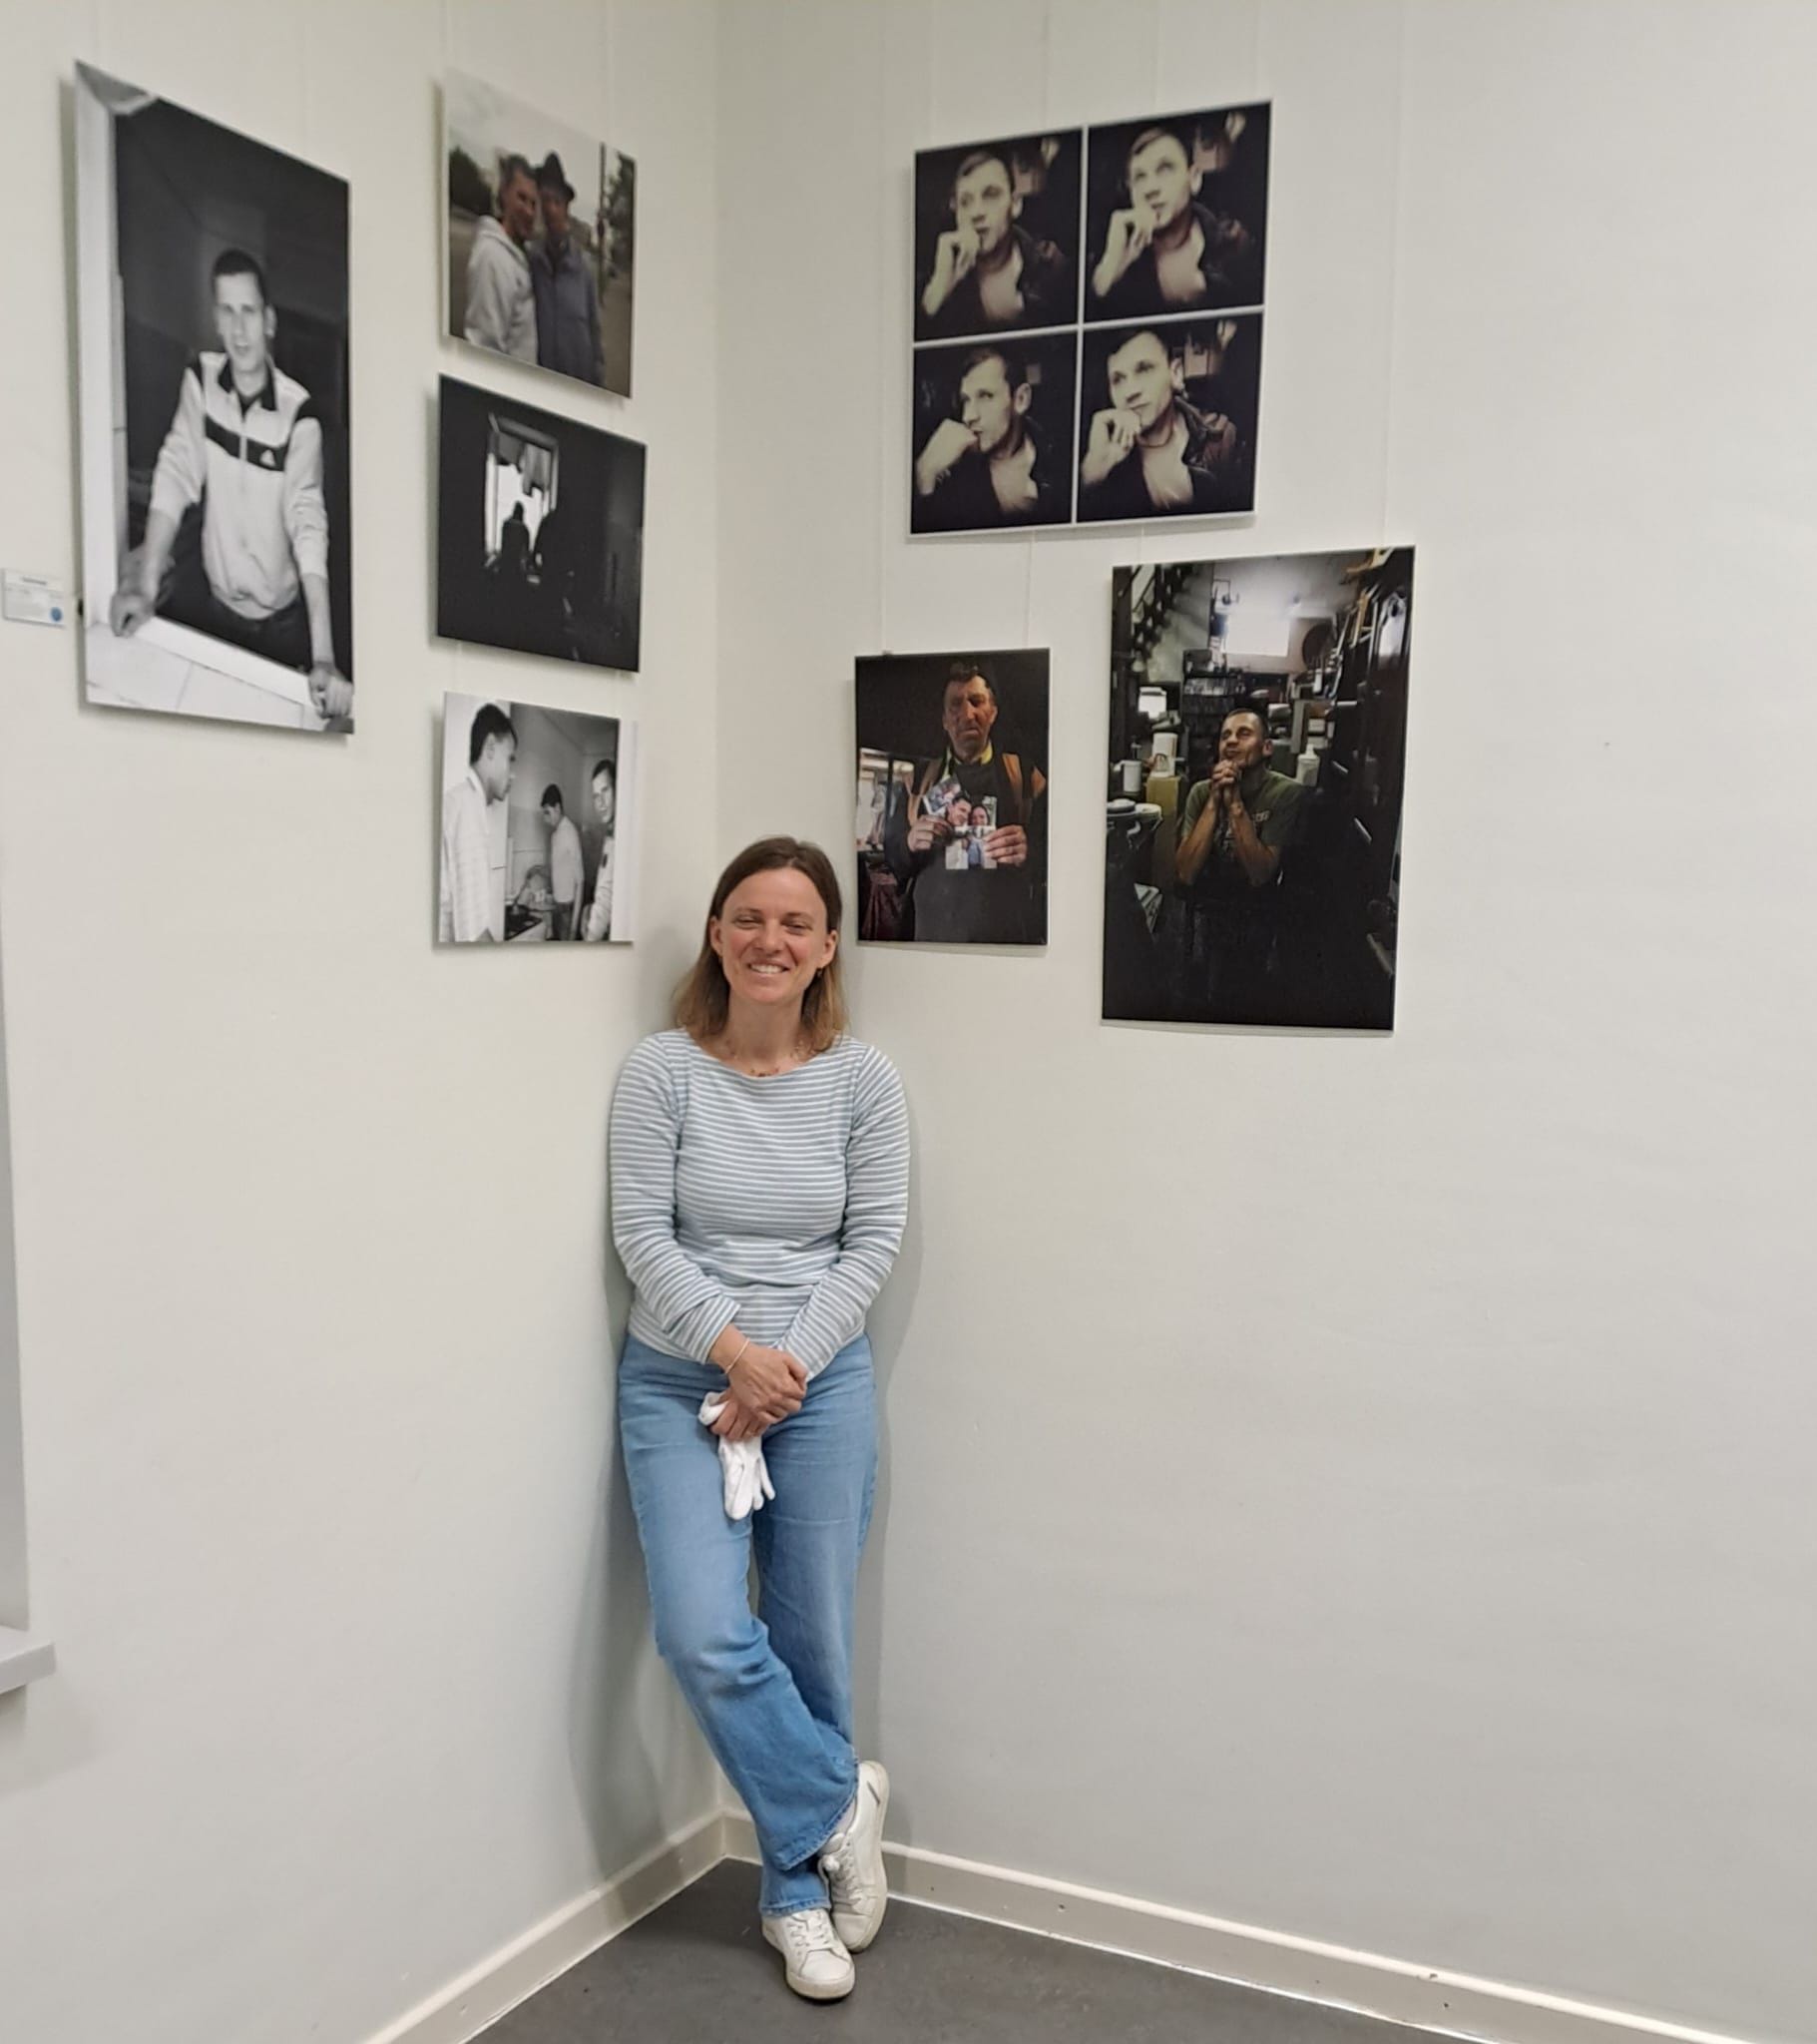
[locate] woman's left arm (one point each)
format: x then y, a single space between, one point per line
876 1207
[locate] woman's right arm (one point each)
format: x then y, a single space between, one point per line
694 1309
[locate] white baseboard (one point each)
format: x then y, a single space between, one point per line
1425 1997
1455 2004
460 2012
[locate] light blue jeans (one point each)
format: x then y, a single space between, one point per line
771 1690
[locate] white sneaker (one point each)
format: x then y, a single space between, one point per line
817 1965
851 1862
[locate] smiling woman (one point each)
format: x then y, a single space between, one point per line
765 994
760 1185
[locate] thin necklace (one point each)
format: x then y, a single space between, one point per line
764 1071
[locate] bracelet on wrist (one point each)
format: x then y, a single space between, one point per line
728 1367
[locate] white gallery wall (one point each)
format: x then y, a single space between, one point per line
315 1305
1354 1488
1357 1488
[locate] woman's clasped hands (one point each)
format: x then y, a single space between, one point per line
765 1385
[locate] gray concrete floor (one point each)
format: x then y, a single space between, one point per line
698 1970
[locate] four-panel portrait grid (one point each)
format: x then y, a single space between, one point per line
1087 318
1088 324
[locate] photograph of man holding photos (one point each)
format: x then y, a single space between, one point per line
952 799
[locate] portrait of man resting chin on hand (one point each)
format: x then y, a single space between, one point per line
986 452
996 236
1151 449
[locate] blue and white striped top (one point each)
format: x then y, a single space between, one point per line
779 1202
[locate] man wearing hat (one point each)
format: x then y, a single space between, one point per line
567 297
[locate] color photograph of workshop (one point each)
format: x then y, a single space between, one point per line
1252 826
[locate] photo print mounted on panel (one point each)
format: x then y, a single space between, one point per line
993 435
1167 416
539 824
541 237
996 236
213 344
1176 215
1252 829
951 821
541 531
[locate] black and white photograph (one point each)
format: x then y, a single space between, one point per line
212 336
997 236
539 824
951 819
542 238
540 541
1253 823
1176 215
1167 416
991 447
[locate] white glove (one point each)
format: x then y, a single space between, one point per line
741 1465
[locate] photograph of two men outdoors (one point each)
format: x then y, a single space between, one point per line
542 238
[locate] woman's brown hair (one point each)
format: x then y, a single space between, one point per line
703 997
